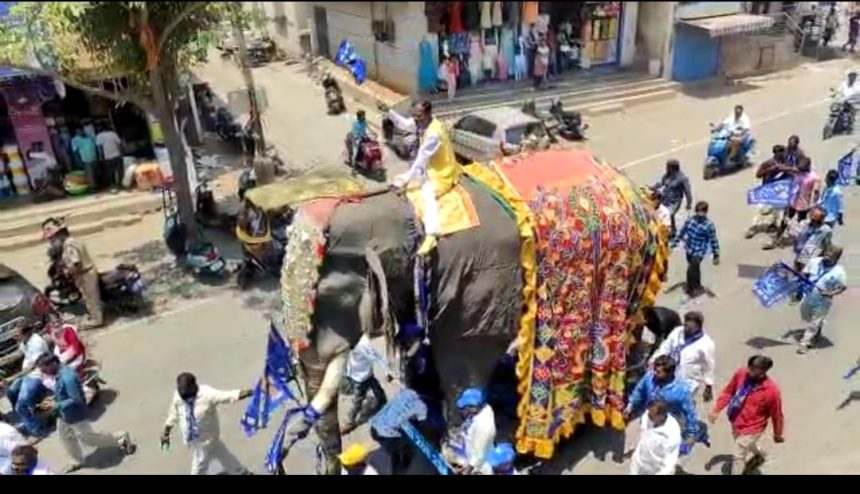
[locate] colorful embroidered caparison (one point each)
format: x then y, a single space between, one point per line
593 263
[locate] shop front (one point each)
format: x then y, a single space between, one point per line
492 42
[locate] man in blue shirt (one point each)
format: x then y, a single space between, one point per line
832 200
85 151
699 236
660 383
73 426
358 134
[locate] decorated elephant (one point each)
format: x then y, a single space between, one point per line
556 250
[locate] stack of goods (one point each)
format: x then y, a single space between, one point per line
76 183
17 170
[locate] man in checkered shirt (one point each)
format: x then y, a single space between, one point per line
699 235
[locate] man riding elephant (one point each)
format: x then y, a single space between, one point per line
562 254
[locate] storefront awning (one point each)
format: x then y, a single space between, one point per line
731 24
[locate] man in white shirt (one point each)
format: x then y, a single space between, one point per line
849 90
474 441
359 371
110 149
659 442
739 123
24 460
10 438
195 408
23 387
694 354
39 164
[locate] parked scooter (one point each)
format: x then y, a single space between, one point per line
203 258
840 120
122 289
368 162
227 128
570 124
333 95
717 161
404 144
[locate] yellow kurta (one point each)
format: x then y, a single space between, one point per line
443 170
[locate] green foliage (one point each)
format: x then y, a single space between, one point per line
90 41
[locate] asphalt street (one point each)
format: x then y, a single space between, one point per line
222 339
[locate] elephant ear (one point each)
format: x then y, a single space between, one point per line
374 308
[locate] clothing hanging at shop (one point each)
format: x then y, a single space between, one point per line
491 53
511 12
436 13
471 16
476 54
530 12
507 50
455 20
426 67
497 14
486 15
521 62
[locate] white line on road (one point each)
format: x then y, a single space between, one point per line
705 140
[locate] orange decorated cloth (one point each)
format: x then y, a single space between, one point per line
592 258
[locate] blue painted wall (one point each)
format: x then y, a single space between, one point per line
696 55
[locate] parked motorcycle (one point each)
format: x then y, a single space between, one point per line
840 120
227 128
404 144
122 289
717 160
570 124
333 95
369 159
202 258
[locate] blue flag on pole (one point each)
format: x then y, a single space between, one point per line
845 166
272 388
776 284
345 54
774 194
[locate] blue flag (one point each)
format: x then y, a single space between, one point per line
272 388
273 455
774 194
345 54
776 284
846 169
358 69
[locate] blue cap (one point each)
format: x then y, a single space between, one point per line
472 397
502 454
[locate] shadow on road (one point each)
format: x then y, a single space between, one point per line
717 88
790 337
101 403
852 397
606 444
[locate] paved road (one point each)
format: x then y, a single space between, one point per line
222 340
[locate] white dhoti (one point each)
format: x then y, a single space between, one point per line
430 205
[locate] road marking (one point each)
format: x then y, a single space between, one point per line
705 140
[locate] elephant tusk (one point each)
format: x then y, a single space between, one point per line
331 381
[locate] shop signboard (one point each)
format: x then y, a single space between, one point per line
685 11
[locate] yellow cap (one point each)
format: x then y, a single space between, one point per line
353 455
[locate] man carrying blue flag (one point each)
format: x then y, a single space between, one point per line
195 409
826 279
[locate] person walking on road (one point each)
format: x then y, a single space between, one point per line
674 188
693 350
812 239
110 149
833 200
195 408
359 372
662 383
752 399
24 460
658 449
853 32
80 267
70 404
699 236
827 280
772 170
807 188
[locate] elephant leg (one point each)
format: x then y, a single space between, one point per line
464 363
327 428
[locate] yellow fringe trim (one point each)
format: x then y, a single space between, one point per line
493 178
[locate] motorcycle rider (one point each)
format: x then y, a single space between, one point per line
739 123
849 91
76 260
674 187
357 134
435 168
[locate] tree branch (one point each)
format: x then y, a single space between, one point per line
143 103
168 30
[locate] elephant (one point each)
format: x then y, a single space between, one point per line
351 269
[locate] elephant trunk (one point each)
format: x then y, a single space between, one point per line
322 380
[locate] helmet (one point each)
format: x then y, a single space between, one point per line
472 397
353 455
502 454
